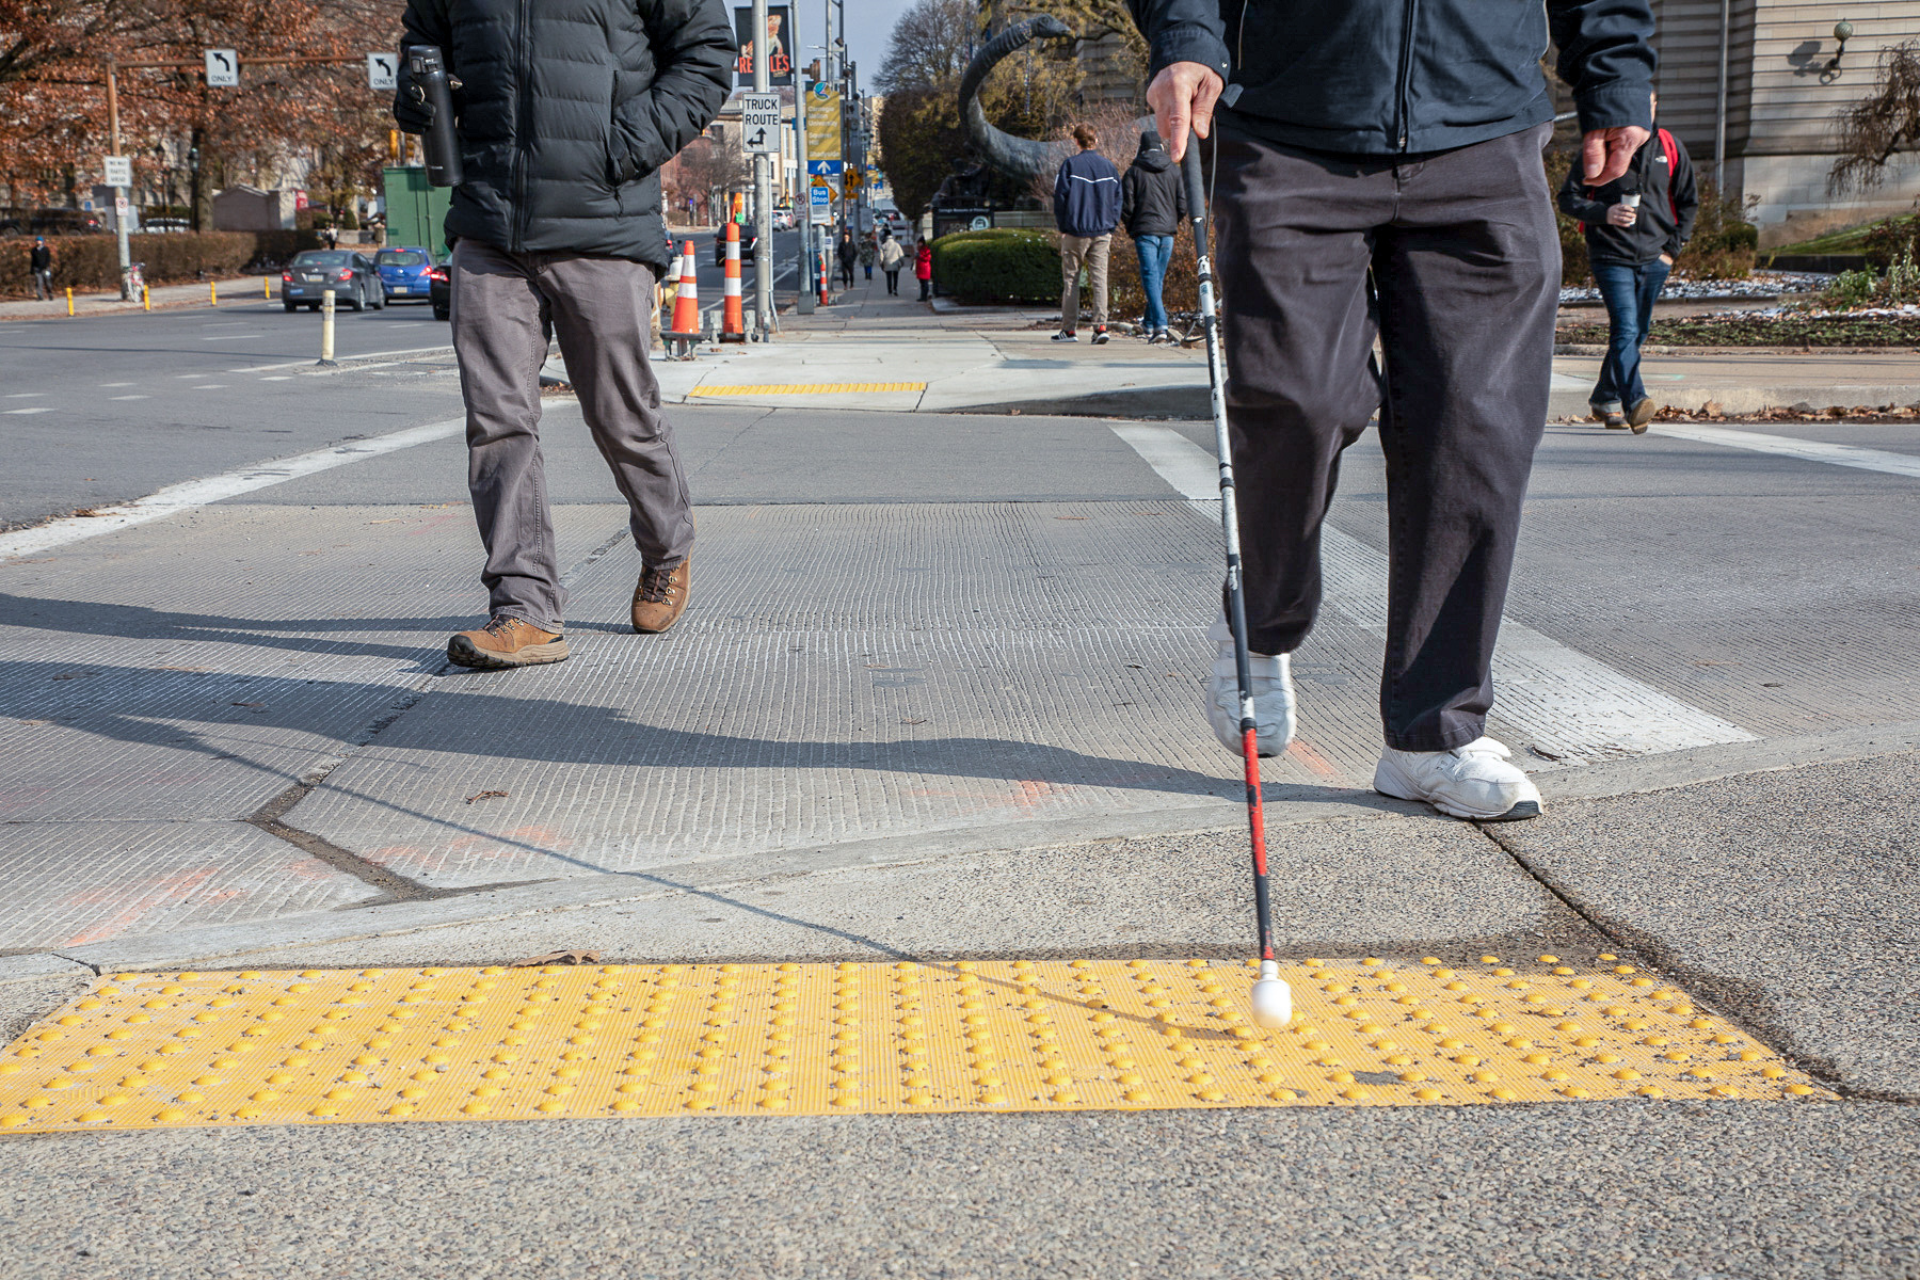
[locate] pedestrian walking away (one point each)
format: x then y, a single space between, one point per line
563 222
1153 203
867 254
1378 175
846 253
40 265
1635 227
892 256
923 269
1086 208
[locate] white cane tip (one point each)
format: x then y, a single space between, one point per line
1272 1004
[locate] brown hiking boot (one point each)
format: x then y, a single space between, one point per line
506 642
660 597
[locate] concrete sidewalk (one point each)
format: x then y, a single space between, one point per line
872 351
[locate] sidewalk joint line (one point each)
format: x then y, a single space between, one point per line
267 819
1707 984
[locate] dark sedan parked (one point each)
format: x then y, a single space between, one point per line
747 241
439 279
351 276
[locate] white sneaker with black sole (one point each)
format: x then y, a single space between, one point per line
1474 781
1272 696
1066 335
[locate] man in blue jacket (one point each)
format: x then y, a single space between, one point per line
1086 208
1378 174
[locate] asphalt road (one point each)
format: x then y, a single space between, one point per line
103 409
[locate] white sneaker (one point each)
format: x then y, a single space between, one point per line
1272 696
1474 781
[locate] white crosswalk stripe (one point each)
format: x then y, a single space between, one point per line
1570 705
1839 455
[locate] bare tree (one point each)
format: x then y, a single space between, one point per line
931 45
706 171
1874 129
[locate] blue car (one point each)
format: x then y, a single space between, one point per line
403 273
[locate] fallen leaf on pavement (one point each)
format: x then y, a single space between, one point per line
486 795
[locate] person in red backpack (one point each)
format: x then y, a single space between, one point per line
1636 226
923 270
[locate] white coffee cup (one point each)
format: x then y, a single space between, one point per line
1632 200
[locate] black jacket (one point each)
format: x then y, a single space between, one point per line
1152 201
40 258
1378 77
1086 195
568 108
1668 203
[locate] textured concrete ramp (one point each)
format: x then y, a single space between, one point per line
845 672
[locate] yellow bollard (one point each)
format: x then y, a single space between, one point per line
213 292
266 287
146 298
69 299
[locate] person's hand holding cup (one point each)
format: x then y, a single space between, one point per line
1627 212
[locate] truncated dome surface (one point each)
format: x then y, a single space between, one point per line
145 1050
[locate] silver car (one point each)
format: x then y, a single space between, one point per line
351 276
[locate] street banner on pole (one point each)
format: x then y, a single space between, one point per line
223 69
760 122
381 71
823 122
779 23
119 171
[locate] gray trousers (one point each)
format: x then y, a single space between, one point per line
1092 252
1460 250
602 312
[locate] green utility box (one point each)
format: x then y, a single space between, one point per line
417 211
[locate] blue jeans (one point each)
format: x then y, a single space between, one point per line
1155 252
1629 292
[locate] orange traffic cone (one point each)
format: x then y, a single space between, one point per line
733 324
686 304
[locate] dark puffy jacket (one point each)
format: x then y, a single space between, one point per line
1377 77
568 108
1668 203
1152 201
1086 195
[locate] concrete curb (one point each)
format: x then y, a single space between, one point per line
1290 806
39 967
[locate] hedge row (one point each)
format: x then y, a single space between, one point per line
1008 264
1005 264
93 262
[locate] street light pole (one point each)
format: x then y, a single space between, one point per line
803 194
762 187
120 201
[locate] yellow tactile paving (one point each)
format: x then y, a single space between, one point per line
151 1050
807 388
